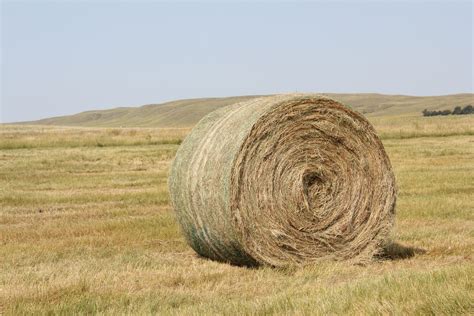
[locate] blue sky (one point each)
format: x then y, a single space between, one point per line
66 57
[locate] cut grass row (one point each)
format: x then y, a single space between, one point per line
23 136
33 136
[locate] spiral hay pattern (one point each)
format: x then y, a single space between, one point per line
282 180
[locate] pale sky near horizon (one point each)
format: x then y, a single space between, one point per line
61 58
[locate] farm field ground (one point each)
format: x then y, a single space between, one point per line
86 227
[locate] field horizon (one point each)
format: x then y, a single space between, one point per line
187 112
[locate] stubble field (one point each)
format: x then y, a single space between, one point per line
86 227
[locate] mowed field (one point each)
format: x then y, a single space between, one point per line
86 227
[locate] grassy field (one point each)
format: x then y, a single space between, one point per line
86 227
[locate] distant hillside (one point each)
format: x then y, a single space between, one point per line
185 113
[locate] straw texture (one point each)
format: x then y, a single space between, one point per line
281 180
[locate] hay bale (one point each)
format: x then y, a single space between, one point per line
281 180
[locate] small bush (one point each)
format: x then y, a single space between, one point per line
468 109
457 110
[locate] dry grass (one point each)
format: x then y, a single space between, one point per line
31 136
89 229
409 126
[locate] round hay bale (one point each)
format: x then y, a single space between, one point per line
282 180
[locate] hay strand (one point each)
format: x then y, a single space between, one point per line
282 180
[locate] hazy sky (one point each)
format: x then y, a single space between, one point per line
65 57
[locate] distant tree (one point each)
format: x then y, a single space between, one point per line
457 110
446 112
468 109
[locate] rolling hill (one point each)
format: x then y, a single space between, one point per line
186 113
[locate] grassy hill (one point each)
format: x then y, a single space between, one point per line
186 113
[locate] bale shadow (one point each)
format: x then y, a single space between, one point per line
397 251
391 251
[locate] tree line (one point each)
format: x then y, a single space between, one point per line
468 109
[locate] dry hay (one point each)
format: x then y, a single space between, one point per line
282 180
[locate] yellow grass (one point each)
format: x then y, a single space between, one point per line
31 136
87 228
409 126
